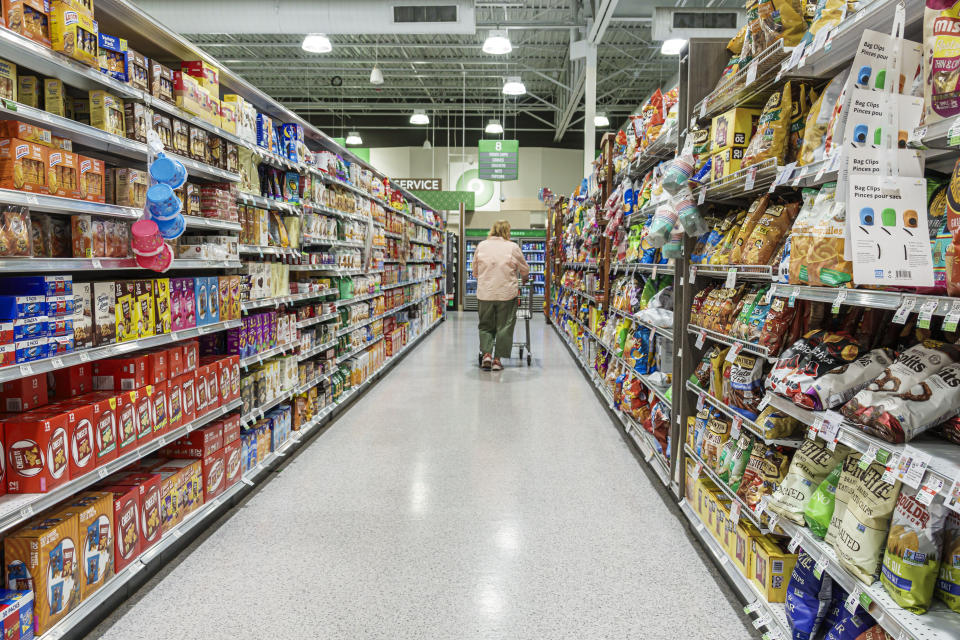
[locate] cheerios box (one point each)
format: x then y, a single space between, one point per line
38 451
94 513
126 524
44 557
770 567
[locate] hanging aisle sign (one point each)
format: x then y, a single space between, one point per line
499 159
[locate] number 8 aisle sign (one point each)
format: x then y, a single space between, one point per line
499 159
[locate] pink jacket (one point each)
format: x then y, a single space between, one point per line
497 264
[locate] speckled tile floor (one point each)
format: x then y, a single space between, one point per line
449 503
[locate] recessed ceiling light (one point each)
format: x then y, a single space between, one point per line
497 42
316 43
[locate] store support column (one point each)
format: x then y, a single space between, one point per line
590 107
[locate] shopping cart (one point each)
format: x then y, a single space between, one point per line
525 313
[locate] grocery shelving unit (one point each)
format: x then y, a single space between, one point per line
418 307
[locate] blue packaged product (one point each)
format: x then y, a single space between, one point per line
17 307
37 285
847 626
16 614
808 598
57 306
59 326
30 328
58 346
114 56
30 350
644 357
703 172
213 299
264 130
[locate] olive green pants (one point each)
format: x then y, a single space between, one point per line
497 318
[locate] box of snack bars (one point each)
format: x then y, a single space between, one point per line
146 324
44 557
73 33
25 131
63 174
161 82
127 311
16 614
104 315
92 179
139 70
162 315
83 336
106 113
29 18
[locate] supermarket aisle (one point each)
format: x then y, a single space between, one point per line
509 509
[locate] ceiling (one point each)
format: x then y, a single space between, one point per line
449 76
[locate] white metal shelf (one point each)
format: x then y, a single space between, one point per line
258 358
257 303
270 250
749 86
757 273
15 371
347 356
866 298
104 264
308 322
16 508
269 203
330 242
630 267
747 424
343 302
722 338
317 350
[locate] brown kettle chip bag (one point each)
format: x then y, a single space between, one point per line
757 208
771 229
770 138
766 470
812 462
862 533
912 559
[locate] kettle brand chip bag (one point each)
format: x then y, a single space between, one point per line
810 465
864 525
912 559
948 582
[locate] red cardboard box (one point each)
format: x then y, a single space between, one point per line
38 452
174 405
224 373
188 399
83 446
201 394
191 356
156 367
143 402
72 381
231 463
198 444
213 386
103 424
126 423
231 428
24 394
234 377
148 488
126 524
174 362
160 409
214 473
120 374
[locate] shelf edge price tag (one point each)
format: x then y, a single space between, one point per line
26 370
853 600
953 135
821 565
953 499
916 466
701 400
900 317
693 276
734 351
102 473
929 489
764 402
731 278
926 313
868 458
792 300
750 179
815 428
701 338
952 318
794 543
839 300
751 73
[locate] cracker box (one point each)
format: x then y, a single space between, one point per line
161 82
113 56
104 314
198 143
733 128
130 187
8 80
95 549
142 400
29 91
148 493
23 165
139 70
92 183
231 428
106 113
771 566
191 355
55 98
214 474
25 131
726 162
228 116
106 409
159 408
72 381
174 361
146 322
161 314
123 373
188 93
44 557
198 444
16 614
126 423
157 369
231 463
126 524
225 379
188 400
189 487
201 399
83 458
83 333
29 18
63 171
174 405
136 118
127 311
206 74
24 394
38 452
73 33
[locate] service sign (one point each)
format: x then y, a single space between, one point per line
419 184
499 159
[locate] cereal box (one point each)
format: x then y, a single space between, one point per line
43 557
104 315
92 184
38 452
63 177
94 513
162 316
73 33
146 322
23 165
106 113
126 524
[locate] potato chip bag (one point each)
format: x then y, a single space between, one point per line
717 359
863 528
770 138
811 464
782 20
912 559
803 99
837 386
769 233
764 474
819 510
948 582
941 39
775 425
808 598
757 207
739 460
818 122
717 433
746 384
849 472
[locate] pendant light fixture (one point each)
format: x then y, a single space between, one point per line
514 86
419 117
497 42
316 43
494 126
354 138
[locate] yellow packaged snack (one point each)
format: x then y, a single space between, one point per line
782 20
770 138
770 232
757 207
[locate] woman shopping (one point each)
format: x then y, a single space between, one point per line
497 265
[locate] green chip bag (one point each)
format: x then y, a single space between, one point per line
819 509
649 290
723 460
738 463
948 583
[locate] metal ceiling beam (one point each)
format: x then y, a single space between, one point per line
428 106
